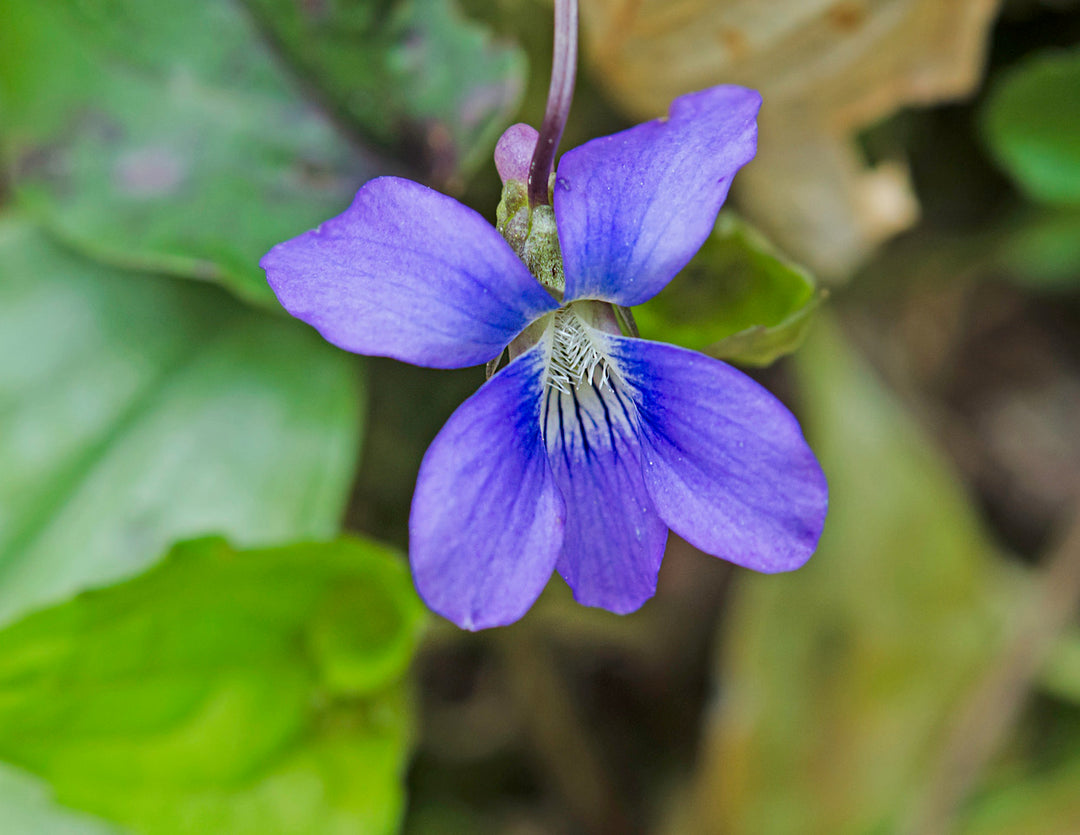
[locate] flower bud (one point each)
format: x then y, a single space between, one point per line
514 151
531 232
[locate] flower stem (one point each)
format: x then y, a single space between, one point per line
560 95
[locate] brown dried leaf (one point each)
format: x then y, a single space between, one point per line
825 68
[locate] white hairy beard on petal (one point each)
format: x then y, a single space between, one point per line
577 355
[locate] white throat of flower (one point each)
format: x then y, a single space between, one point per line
577 357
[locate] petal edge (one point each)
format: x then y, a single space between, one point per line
408 273
724 460
615 538
633 208
486 524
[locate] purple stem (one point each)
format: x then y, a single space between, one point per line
560 95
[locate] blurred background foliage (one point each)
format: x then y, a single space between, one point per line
201 630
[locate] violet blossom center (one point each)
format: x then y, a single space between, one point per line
574 334
579 357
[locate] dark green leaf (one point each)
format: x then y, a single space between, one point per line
138 410
406 71
163 135
1032 124
203 697
737 300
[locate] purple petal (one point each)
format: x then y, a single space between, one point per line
408 273
614 538
487 521
725 461
633 208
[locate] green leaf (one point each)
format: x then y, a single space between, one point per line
203 697
1042 250
26 807
738 299
1044 803
406 71
1034 785
1061 677
1032 125
138 410
164 136
839 678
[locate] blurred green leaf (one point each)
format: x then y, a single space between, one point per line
203 696
838 679
1061 676
412 72
26 808
138 410
1043 804
164 136
1042 250
737 300
1032 125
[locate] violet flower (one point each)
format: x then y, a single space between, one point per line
589 445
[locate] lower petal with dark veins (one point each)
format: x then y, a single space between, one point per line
614 539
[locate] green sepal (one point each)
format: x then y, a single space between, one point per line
738 299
